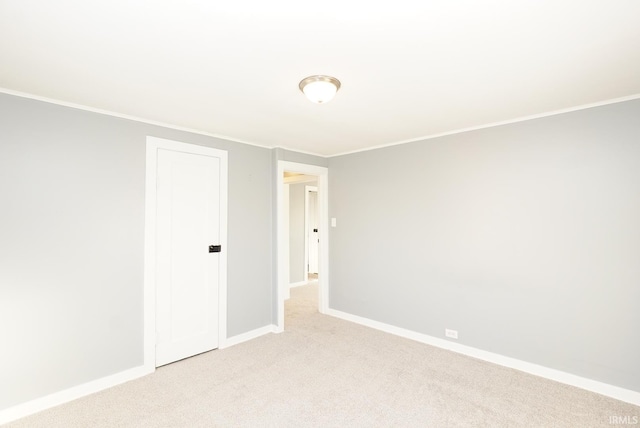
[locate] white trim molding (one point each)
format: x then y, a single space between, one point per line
133 118
602 388
61 397
490 125
250 335
325 156
57 398
298 284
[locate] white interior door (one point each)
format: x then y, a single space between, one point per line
188 274
313 236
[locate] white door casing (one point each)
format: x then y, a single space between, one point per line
283 245
186 209
286 189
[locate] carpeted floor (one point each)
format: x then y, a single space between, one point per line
326 372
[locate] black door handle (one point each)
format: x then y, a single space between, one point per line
215 248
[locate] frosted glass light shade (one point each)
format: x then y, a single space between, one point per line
319 89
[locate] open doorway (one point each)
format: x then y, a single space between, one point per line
311 232
297 258
301 224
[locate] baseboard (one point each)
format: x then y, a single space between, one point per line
39 404
244 337
298 284
612 391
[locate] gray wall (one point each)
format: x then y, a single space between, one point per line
525 238
72 244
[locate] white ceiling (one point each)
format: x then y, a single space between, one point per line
409 69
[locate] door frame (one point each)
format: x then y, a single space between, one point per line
283 244
307 190
153 144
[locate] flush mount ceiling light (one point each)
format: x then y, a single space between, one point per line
319 89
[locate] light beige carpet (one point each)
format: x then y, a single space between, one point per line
325 372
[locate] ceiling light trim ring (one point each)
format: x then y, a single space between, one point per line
319 78
319 88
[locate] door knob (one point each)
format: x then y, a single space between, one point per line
215 248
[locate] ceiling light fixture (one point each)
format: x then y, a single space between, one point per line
319 89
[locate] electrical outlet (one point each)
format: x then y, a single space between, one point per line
451 333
